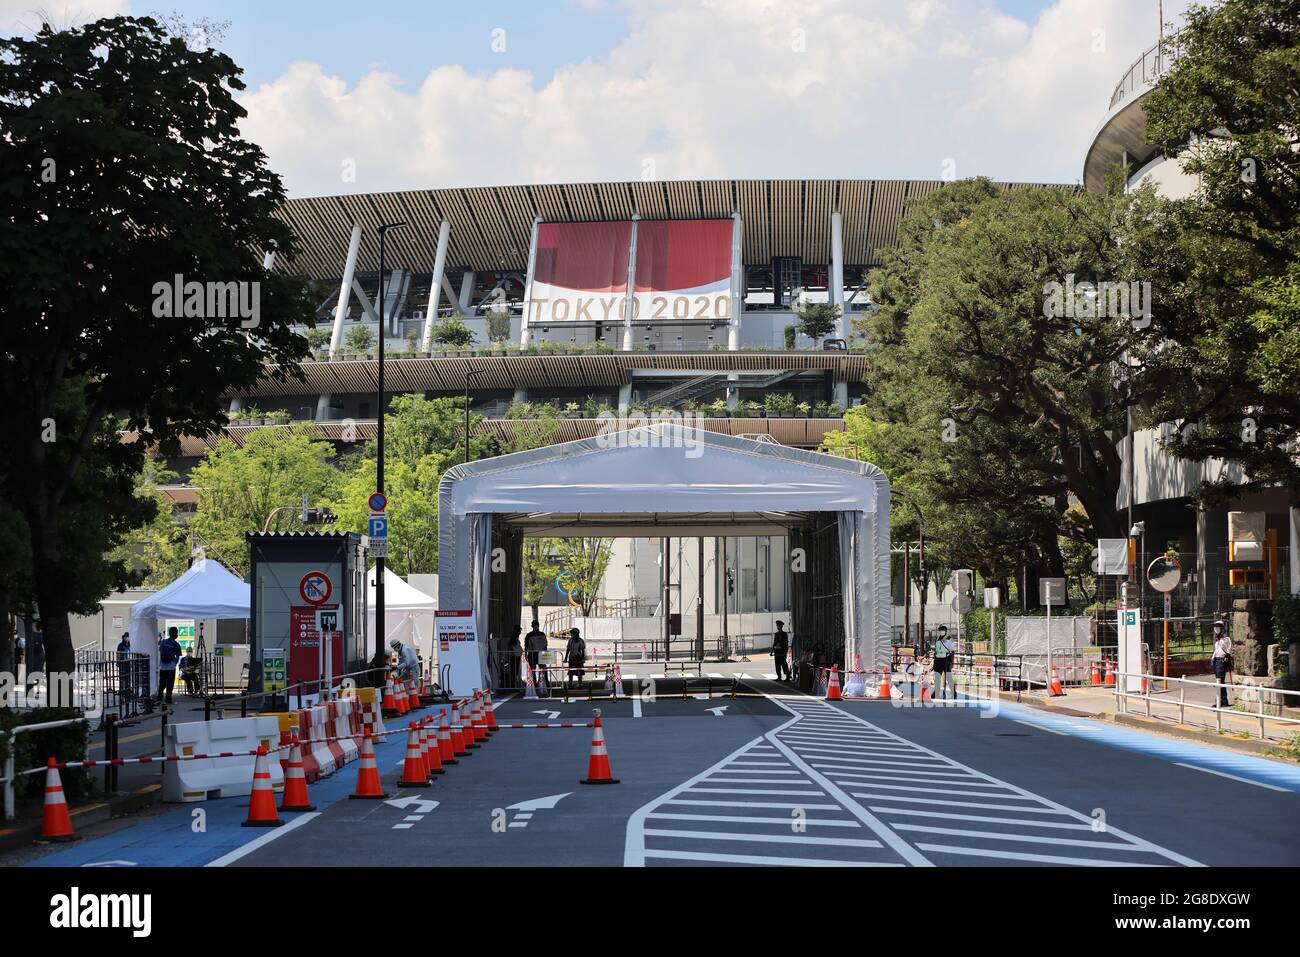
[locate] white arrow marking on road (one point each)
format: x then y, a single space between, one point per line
538 804
717 711
111 864
550 716
421 806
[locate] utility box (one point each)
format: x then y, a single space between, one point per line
293 576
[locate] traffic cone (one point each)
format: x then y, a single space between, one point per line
414 773
1110 673
643 657
459 742
412 696
1056 690
618 682
446 751
1096 675
389 708
403 696
467 726
295 796
598 770
530 686
432 759
261 801
480 719
833 688
489 712
56 824
886 689
368 786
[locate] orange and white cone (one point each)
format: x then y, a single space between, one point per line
432 759
480 719
389 708
261 801
489 712
56 823
886 689
833 687
368 786
1110 673
446 750
530 686
467 725
618 682
460 746
414 773
295 796
413 696
1096 675
1056 690
598 770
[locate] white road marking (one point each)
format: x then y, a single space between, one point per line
763 838
262 840
1041 727
1233 777
1003 853
745 819
757 859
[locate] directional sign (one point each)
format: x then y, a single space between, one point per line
550 715
378 528
315 588
537 804
421 806
327 620
378 502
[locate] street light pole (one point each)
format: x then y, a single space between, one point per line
468 375
379 660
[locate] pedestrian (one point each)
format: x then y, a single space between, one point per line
1222 662
190 665
36 650
408 662
124 667
575 653
19 644
534 645
780 649
514 652
169 656
944 648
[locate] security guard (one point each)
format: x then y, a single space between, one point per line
944 649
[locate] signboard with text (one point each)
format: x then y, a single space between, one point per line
456 633
305 661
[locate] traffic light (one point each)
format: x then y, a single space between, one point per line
731 582
318 516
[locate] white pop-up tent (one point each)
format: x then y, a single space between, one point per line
408 613
207 590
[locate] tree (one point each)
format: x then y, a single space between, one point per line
498 325
122 168
817 319
997 374
359 338
422 439
582 563
241 487
539 570
161 548
452 332
1227 255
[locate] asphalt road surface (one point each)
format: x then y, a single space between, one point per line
768 777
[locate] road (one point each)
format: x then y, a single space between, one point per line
768 777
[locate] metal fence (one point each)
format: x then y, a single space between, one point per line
117 681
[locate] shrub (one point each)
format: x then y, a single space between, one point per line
498 325
359 338
34 747
453 332
790 332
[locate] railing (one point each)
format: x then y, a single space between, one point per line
1149 67
1148 696
11 776
118 681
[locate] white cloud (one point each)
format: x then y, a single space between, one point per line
856 88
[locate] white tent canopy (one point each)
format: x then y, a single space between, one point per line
408 613
669 479
207 590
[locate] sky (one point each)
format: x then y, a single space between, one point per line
407 95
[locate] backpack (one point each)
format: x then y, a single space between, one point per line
165 653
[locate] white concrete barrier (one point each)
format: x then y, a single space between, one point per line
187 781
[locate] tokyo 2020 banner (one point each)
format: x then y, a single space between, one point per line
682 271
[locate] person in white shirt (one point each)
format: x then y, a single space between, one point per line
944 649
1221 660
408 662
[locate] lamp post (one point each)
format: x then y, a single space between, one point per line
380 659
468 375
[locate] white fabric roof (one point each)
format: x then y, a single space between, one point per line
398 595
207 590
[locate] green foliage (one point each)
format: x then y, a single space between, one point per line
1286 619
161 548
452 332
318 339
583 562
31 749
359 338
239 487
816 319
778 402
790 333
123 168
498 325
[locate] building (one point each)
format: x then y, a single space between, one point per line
1252 548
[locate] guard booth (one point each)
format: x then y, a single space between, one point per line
294 576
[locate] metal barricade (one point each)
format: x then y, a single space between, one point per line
118 681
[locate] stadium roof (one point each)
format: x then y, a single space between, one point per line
491 226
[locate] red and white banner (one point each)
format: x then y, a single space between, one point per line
682 271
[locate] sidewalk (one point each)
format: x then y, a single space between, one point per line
1162 708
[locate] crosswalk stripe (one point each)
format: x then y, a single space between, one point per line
983 818
1001 852
786 804
745 819
697 790
759 859
762 838
1027 838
